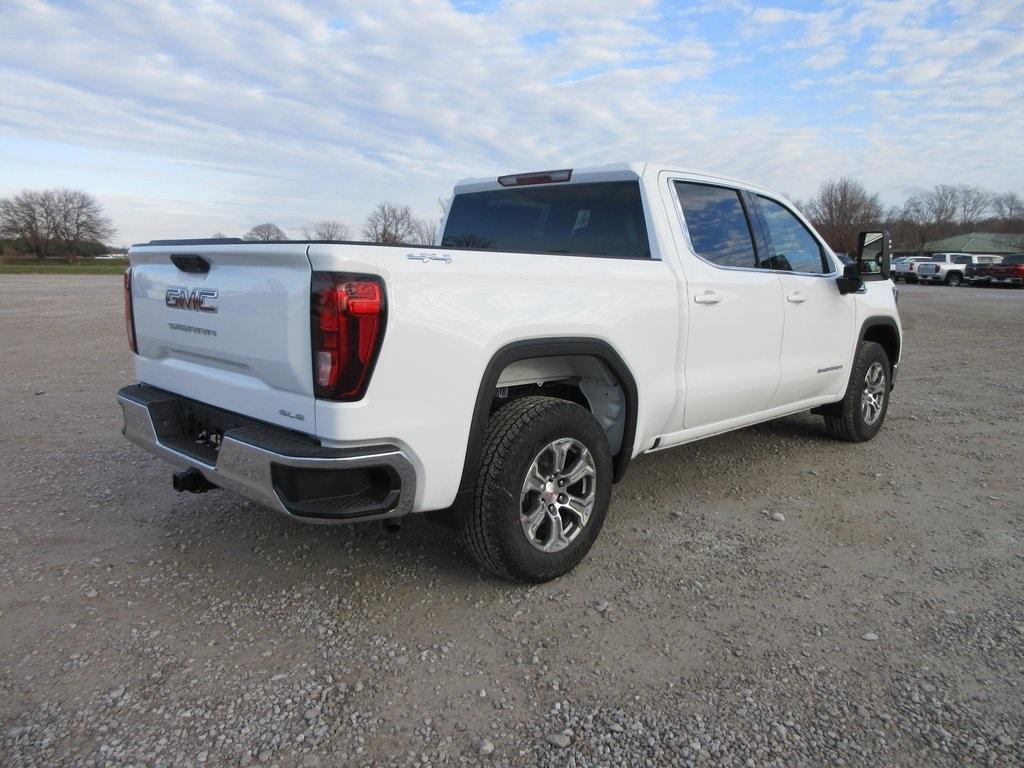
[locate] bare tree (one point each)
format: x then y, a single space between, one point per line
842 208
931 215
80 217
218 236
423 232
904 231
327 229
22 220
265 233
443 204
1009 211
54 221
950 209
941 205
971 205
391 223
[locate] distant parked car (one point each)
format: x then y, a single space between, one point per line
980 273
905 268
949 268
1010 271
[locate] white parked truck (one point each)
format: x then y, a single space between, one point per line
567 322
951 268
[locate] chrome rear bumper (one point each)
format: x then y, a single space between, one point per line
272 466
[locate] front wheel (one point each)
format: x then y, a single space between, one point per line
859 415
542 490
954 279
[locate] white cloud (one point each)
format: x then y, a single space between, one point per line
290 111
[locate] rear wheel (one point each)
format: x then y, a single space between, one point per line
859 415
542 491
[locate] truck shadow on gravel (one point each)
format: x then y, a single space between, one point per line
229 537
234 539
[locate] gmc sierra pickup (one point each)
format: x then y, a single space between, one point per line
950 268
566 322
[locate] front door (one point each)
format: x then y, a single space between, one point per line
819 320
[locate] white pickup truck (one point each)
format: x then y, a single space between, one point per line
567 322
951 268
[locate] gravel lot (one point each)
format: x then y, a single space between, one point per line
881 623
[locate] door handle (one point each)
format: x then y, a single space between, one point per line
708 297
796 298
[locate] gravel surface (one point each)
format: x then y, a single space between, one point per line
769 597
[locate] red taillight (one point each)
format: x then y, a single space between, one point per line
348 313
129 313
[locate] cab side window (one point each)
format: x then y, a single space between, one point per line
792 247
717 223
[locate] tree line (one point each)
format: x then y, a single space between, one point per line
71 223
843 207
839 210
388 222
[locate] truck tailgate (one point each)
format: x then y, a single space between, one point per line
236 336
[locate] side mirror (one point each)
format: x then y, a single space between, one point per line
851 281
873 260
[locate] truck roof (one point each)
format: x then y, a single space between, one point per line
598 173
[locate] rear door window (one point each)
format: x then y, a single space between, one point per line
602 219
717 224
793 247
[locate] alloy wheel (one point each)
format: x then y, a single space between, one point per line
872 399
558 494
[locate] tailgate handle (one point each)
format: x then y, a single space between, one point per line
188 262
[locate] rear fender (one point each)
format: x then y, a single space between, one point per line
538 348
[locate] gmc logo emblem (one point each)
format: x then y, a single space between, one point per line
195 299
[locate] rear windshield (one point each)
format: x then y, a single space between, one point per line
605 219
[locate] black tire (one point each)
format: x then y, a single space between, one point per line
516 435
954 279
846 420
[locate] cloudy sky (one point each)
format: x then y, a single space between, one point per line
192 117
